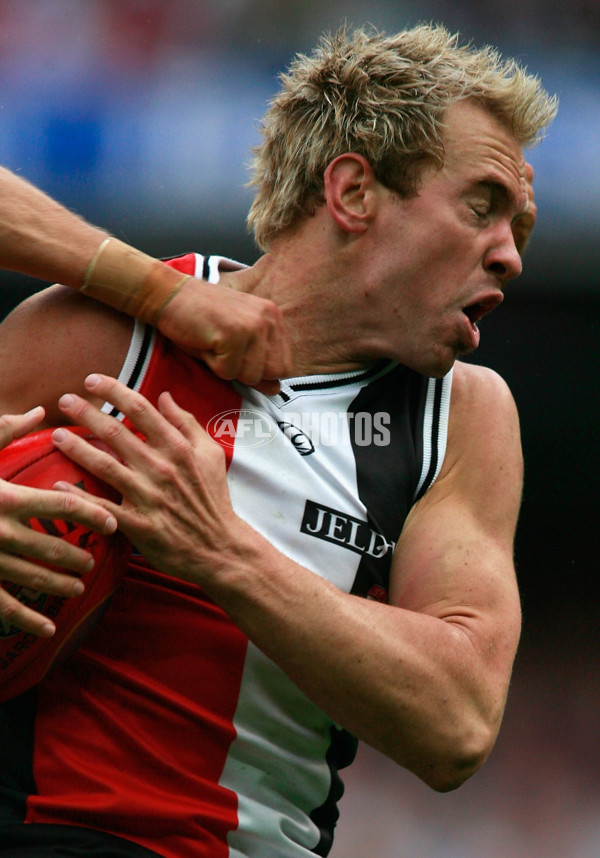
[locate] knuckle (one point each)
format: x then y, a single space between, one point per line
180 446
139 406
39 580
68 504
180 458
165 471
114 430
7 534
8 496
220 346
104 468
79 408
6 429
55 554
9 609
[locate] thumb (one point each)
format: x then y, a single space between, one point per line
16 425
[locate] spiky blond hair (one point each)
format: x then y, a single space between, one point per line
385 98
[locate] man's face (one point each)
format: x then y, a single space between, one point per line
446 254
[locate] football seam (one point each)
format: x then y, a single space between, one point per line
28 464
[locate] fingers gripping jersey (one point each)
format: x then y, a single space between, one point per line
168 728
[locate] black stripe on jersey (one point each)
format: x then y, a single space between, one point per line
341 753
435 435
139 363
205 267
387 476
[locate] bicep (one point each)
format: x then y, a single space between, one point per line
454 558
50 342
452 568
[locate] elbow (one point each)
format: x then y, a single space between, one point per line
447 766
451 774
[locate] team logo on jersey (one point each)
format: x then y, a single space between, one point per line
343 529
300 440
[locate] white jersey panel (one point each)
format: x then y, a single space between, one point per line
281 780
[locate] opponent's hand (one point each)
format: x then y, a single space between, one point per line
238 335
175 505
20 546
523 225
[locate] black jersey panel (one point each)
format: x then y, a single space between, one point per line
387 473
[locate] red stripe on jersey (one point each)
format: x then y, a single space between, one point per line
194 387
132 733
186 263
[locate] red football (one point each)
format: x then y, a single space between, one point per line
24 658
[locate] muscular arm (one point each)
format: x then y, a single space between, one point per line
423 679
41 238
239 336
454 568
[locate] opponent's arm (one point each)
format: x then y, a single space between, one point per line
41 238
239 336
423 679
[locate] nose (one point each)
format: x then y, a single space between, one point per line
502 258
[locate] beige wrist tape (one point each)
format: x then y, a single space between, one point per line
131 281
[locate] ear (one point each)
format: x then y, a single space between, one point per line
350 186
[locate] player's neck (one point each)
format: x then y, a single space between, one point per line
320 319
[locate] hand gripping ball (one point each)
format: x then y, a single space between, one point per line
25 658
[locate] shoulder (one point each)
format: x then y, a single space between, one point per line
483 457
482 408
65 306
51 341
479 387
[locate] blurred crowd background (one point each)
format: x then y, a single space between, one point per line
140 114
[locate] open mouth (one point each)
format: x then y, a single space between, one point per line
478 309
